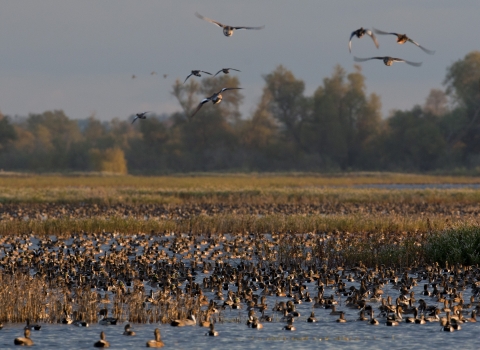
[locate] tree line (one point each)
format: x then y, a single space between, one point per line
338 128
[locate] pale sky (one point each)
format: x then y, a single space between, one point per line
80 55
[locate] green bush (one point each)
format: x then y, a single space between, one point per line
454 245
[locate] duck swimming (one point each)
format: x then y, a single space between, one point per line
388 60
25 340
196 72
102 343
402 39
227 30
157 342
212 331
128 330
359 33
215 98
189 321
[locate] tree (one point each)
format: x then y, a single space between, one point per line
7 133
287 104
463 85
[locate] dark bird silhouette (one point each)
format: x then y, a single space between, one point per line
196 73
402 39
215 98
227 30
388 60
140 116
226 71
359 33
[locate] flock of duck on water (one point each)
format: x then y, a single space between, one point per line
240 272
228 30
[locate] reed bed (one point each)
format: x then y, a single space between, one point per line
230 223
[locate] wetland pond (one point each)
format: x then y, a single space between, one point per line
258 278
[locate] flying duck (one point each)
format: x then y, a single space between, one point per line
196 72
360 33
402 39
388 60
141 115
215 98
227 30
226 71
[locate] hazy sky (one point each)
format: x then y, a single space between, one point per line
79 55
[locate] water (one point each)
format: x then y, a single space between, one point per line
326 333
419 186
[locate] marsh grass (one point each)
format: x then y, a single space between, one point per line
227 223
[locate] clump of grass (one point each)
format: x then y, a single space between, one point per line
456 245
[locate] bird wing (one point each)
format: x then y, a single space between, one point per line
256 28
209 20
225 89
133 121
350 41
234 69
374 38
381 32
358 59
415 64
202 102
188 77
430 52
205 72
218 72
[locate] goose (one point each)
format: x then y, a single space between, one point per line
141 115
25 340
359 33
157 342
128 330
312 318
196 72
388 60
102 343
402 39
215 98
227 30
226 71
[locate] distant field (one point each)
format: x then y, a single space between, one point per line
255 189
233 203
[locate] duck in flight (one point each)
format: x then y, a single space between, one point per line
359 33
196 72
227 30
402 39
388 60
140 116
215 98
226 71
